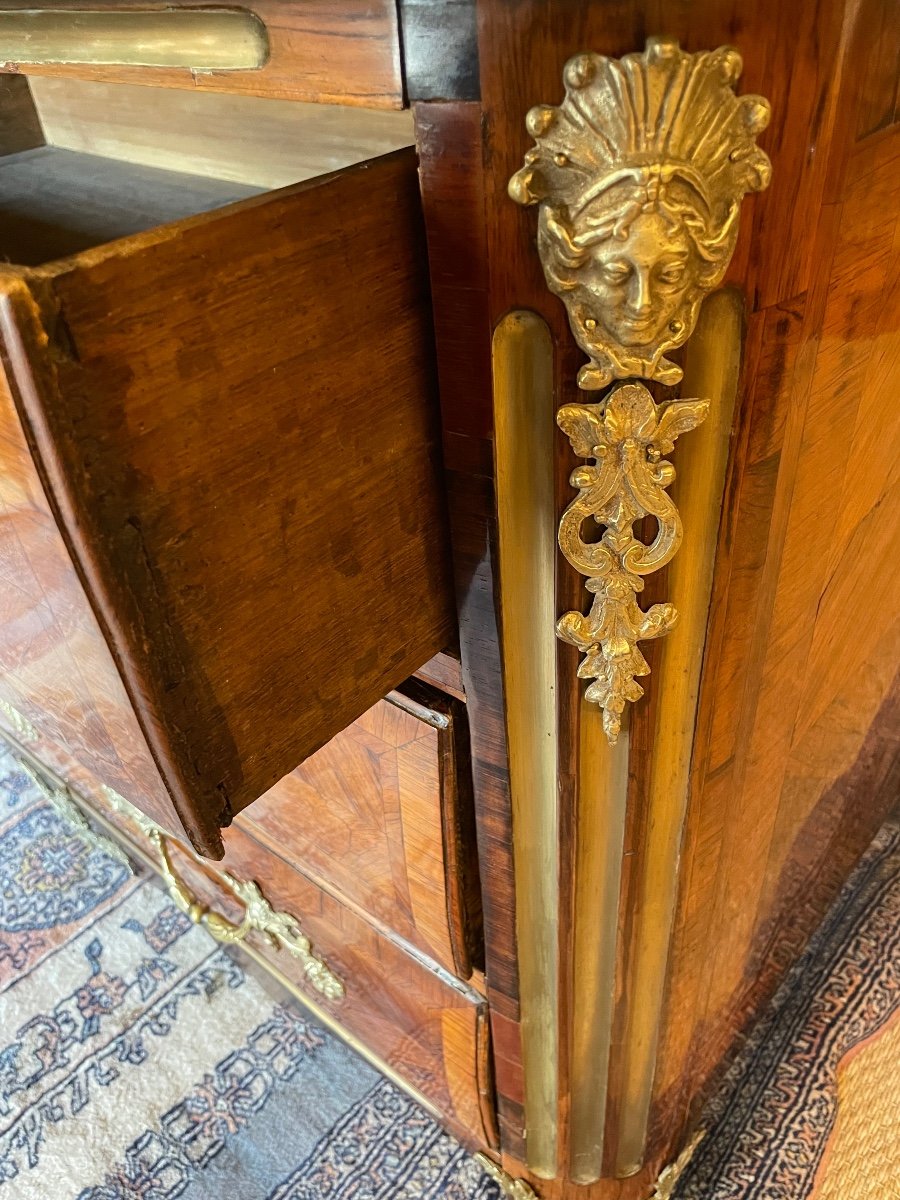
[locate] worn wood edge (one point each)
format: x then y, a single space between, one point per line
31 376
135 243
487 1089
457 812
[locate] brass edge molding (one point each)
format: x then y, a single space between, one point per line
522 363
63 803
638 174
279 929
602 797
206 39
515 1189
669 1176
22 727
712 365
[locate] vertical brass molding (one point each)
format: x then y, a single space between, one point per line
602 800
522 357
712 365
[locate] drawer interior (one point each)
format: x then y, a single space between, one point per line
55 202
83 163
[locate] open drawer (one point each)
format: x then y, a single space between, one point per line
219 453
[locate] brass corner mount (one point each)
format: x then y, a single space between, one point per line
638 176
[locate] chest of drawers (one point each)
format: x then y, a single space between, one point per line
279 504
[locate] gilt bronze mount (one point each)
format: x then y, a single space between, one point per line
639 176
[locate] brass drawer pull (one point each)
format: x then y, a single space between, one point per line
194 39
279 929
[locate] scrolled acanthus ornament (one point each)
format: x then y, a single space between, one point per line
639 176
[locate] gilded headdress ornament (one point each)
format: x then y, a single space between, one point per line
640 173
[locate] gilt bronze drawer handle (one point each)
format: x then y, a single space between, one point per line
280 929
639 176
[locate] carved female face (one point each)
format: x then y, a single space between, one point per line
635 285
632 277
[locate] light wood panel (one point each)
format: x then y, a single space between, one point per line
264 142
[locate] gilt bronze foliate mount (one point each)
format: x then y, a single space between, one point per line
638 176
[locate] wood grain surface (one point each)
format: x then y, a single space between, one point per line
449 139
58 682
333 51
375 818
771 826
234 416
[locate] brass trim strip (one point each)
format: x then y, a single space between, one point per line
512 1188
602 805
670 1175
198 39
712 366
522 356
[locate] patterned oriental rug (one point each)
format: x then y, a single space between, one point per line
811 1106
140 1061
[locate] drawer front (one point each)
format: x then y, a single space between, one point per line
316 50
382 818
424 1026
233 419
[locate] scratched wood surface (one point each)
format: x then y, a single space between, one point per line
58 681
330 51
235 417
